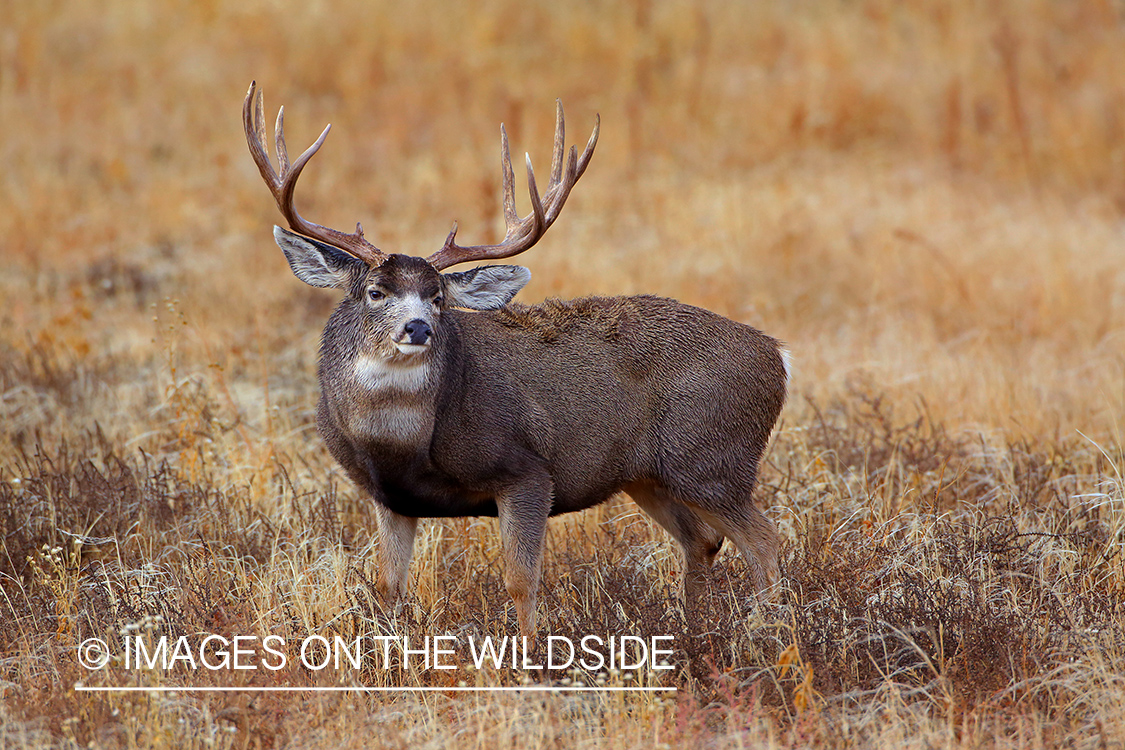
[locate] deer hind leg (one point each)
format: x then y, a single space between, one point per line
396 547
754 535
699 542
523 510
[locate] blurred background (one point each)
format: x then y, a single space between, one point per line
925 200
927 196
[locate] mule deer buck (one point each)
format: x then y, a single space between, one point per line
441 399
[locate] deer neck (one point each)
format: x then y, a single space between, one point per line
378 395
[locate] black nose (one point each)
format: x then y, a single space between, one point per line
418 330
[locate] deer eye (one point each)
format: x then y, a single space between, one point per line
375 295
438 300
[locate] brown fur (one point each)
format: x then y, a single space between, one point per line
523 412
529 411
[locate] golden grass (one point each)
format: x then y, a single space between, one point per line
924 200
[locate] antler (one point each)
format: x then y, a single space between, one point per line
521 234
283 186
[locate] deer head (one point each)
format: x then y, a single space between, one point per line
403 296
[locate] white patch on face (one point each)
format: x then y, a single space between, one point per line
416 307
412 348
408 308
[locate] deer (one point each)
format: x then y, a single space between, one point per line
440 397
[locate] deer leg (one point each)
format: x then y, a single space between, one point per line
523 510
396 546
700 543
756 538
396 532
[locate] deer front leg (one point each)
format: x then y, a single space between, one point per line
523 509
396 546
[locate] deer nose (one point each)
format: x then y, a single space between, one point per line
418 331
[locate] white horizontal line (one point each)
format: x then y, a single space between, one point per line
362 689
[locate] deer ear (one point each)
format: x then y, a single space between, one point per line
316 263
486 287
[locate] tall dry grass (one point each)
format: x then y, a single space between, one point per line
925 200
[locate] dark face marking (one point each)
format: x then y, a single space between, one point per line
400 275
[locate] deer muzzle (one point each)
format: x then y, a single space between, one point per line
415 337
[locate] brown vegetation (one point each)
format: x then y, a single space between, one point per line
925 200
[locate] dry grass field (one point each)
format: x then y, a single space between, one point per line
926 200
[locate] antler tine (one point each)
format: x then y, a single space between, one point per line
510 215
284 182
560 149
289 185
563 188
256 136
279 140
584 160
538 215
521 234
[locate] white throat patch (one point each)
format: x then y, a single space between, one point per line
406 374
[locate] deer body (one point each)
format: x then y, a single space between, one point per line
439 398
562 386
